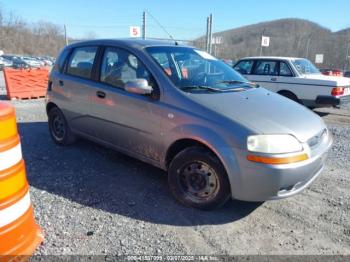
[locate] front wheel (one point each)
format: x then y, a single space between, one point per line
198 179
290 95
59 129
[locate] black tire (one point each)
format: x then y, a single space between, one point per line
198 179
290 95
59 128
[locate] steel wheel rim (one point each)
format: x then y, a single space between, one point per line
198 181
58 127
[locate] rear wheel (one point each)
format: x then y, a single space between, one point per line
59 129
198 179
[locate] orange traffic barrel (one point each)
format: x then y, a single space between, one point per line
19 233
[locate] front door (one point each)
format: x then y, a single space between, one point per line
285 79
130 122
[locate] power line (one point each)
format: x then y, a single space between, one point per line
100 26
179 28
160 25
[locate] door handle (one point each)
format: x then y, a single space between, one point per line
101 94
274 79
61 83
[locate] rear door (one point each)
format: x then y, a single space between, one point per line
73 88
265 73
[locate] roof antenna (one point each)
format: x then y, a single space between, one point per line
161 26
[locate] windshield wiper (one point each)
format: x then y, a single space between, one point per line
232 82
186 88
236 89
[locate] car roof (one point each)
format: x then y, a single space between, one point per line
135 43
270 57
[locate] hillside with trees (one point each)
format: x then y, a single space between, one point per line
18 37
288 37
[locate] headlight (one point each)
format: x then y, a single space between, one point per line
273 144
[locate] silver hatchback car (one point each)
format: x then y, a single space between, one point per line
218 135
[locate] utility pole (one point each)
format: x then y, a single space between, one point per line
144 25
210 33
347 56
65 35
207 35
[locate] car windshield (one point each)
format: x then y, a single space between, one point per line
194 70
305 67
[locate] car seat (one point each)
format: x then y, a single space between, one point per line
121 72
267 69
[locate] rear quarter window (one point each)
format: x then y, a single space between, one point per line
61 61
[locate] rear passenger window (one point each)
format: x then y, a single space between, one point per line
81 62
266 68
244 67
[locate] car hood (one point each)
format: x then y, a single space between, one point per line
264 112
328 80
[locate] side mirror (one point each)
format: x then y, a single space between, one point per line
256 85
138 86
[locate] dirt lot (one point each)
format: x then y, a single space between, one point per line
91 200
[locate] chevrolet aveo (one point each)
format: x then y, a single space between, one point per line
217 135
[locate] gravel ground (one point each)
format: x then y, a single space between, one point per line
91 200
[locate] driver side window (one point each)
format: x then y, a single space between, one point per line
284 70
119 66
244 67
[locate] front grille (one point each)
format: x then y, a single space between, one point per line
316 140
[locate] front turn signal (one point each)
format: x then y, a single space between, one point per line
277 160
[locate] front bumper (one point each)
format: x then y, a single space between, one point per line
261 182
332 101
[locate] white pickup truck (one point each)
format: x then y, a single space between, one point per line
297 79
